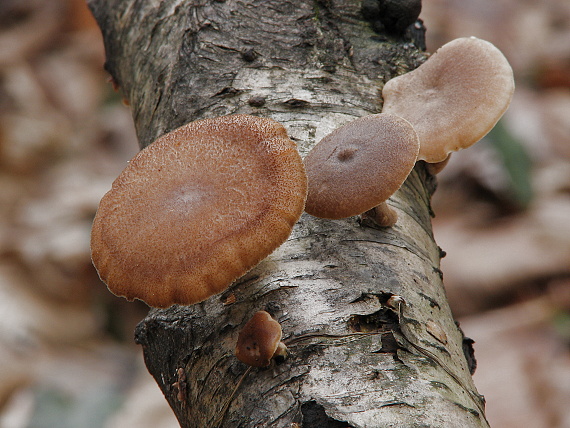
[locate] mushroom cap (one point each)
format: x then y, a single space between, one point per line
258 340
454 98
359 165
197 209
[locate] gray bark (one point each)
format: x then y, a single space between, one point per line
354 357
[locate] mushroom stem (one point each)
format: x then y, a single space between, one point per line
437 167
281 352
382 215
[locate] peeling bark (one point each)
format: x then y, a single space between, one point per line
359 356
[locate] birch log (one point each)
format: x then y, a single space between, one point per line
359 356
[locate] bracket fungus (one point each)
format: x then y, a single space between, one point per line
259 341
453 99
197 209
358 166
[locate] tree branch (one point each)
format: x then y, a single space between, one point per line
311 65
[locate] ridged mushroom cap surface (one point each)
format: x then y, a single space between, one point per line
258 340
359 165
454 98
197 209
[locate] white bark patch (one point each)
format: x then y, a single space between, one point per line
311 124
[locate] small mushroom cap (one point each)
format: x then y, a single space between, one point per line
258 340
359 165
197 209
454 98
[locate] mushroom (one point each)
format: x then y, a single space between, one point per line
197 209
454 98
259 341
357 167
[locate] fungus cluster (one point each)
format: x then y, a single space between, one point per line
206 202
448 103
197 209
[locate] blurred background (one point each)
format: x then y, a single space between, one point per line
67 357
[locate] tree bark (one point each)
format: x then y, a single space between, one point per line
359 356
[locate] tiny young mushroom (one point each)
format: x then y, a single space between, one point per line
358 166
259 341
197 209
454 99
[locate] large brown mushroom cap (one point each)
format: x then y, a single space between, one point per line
359 165
258 340
454 98
197 209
